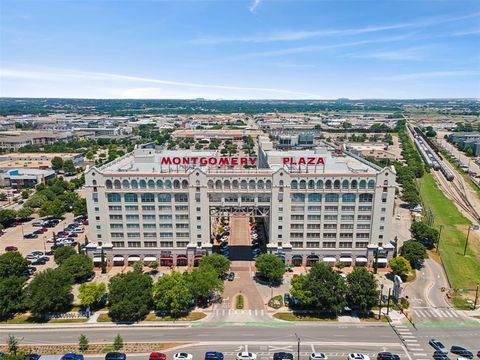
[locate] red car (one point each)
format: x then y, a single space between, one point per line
157 356
85 222
11 248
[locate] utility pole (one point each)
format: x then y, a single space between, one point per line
476 297
388 303
438 240
466 241
380 303
298 346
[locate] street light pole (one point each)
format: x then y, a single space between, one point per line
298 346
380 304
439 237
466 241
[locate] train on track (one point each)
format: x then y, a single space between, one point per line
429 153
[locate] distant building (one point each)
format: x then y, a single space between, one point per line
296 141
13 140
466 140
25 178
36 160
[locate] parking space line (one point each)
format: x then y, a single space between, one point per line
312 347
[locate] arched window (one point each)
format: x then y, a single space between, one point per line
261 184
251 184
371 184
94 182
148 198
363 184
303 184
336 184
280 183
184 184
168 184
210 184
294 184
113 197
354 184
243 184
268 184
130 197
226 184
331 197
385 182
311 184
366 198
235 184
176 184
164 198
159 184
151 184
117 184
320 184
345 184
134 184
328 184
125 184
143 184
108 184
218 184
348 198
298 197
314 197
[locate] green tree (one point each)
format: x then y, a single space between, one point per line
83 342
118 342
138 266
12 344
49 291
63 253
57 163
321 289
12 264
270 267
130 296
89 154
80 207
154 266
69 167
91 293
7 217
54 208
79 266
414 252
362 293
424 233
218 262
24 212
204 281
3 196
400 266
11 295
172 294
25 194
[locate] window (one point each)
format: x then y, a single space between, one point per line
298 197
346 235
149 235
165 208
116 235
132 217
118 244
150 244
330 226
314 208
345 184
181 217
181 208
313 244
313 226
382 228
97 209
331 208
166 234
183 234
165 226
346 226
330 217
150 226
182 244
371 184
199 209
328 244
185 226
366 198
143 184
165 217
331 197
314 197
343 244
148 217
294 184
363 226
362 235
347 217
364 208
116 226
329 235
296 217
280 209
98 217
181 197
296 226
314 217
298 208
199 218
133 235
113 217
148 207
348 198
348 208
134 244
364 217
360 245
382 218
296 244
363 184
113 197
130 197
164 197
131 207
113 208
384 209
166 244
296 235
148 198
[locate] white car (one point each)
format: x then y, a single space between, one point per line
78 230
318 356
357 356
246 356
182 356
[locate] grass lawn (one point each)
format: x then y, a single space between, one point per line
288 316
463 271
26 319
193 316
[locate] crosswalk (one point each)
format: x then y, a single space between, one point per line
252 312
414 348
435 313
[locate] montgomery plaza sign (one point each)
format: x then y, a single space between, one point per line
233 161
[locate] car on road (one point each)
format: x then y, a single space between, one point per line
157 356
11 248
439 355
34 254
231 276
282 355
437 345
386 355
213 355
115 356
72 356
182 356
358 356
478 354
458 350
246 356
318 356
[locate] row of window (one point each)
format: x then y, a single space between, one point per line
149 226
236 197
243 184
146 197
332 217
328 226
346 198
144 184
336 184
150 244
328 244
133 235
349 235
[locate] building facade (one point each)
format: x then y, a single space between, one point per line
316 205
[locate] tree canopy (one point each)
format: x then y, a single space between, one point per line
63 253
400 266
12 264
11 295
172 294
270 267
79 266
414 252
218 262
204 281
91 293
362 293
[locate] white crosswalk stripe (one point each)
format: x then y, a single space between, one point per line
433 313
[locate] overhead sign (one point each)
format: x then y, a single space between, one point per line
204 160
304 160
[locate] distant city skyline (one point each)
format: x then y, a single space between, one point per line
241 49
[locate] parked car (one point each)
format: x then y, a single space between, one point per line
85 222
72 356
38 223
115 356
32 356
182 356
386 355
78 230
246 356
478 354
11 248
213 355
231 276
31 236
157 356
282 355
286 301
437 345
458 350
439 355
317 356
42 260
358 356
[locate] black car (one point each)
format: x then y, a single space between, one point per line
440 355
231 276
31 236
32 356
286 299
478 353
282 356
40 261
115 356
458 350
386 355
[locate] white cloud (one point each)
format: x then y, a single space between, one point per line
416 53
433 74
253 6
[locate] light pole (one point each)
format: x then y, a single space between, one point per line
380 303
298 346
466 241
44 244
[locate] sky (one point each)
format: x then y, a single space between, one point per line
240 49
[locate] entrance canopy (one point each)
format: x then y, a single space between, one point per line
133 258
150 258
118 258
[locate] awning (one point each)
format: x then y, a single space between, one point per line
312 257
134 258
329 259
118 258
182 256
149 258
198 256
281 256
361 259
382 261
297 257
168 257
345 259
97 259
